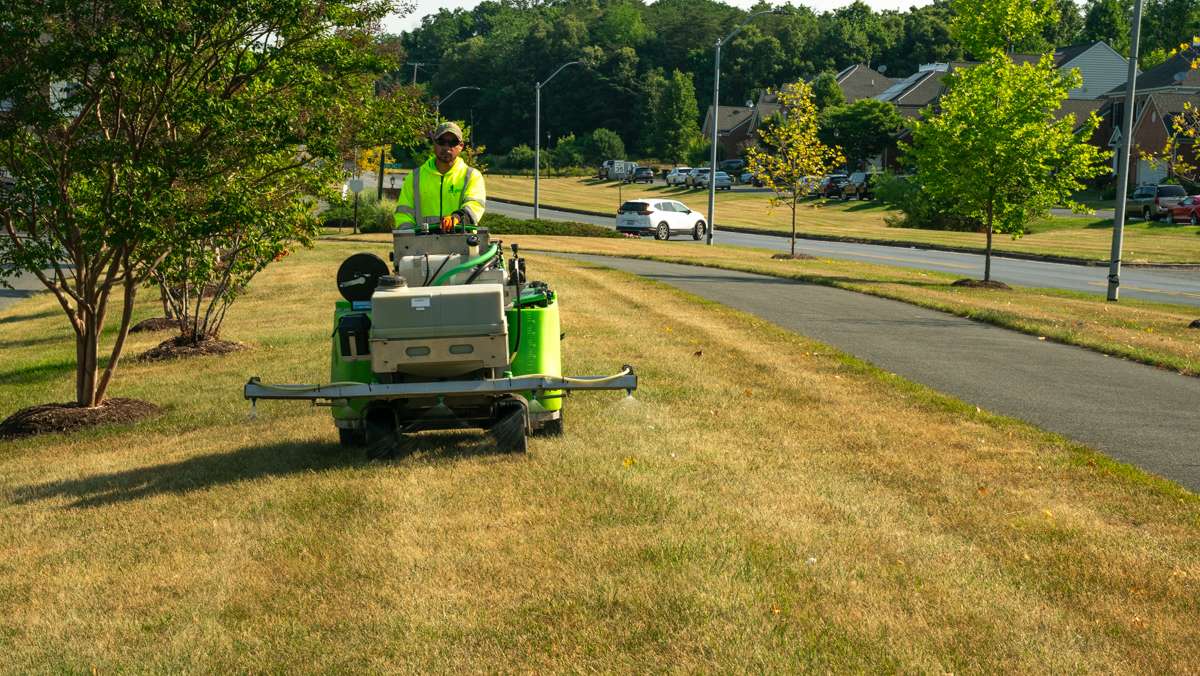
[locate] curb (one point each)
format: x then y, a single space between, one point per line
1044 258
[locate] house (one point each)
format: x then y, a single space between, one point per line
734 126
736 130
1099 66
1159 95
862 82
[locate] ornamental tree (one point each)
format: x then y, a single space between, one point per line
996 151
789 157
134 128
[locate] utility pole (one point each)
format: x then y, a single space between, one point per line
712 172
537 136
1114 266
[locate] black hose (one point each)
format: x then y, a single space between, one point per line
435 274
426 282
517 307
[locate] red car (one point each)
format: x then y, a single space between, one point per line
1187 211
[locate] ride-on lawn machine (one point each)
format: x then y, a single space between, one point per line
452 337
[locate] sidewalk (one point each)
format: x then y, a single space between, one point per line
1134 413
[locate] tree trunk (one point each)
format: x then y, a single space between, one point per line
162 291
987 255
87 338
793 226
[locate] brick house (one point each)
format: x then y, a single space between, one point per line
1159 96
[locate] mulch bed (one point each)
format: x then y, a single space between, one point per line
182 346
980 284
790 257
51 418
154 324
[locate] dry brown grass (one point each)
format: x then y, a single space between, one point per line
1144 242
766 505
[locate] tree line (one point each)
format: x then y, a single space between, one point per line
632 51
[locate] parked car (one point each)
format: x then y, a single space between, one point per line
642 174
732 167
695 176
860 184
831 185
722 180
1152 202
1187 211
662 218
678 176
749 179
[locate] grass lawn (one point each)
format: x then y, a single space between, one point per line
1084 238
764 504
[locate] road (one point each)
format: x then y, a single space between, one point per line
1134 413
24 286
1181 286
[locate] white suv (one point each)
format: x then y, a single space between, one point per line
678 175
662 218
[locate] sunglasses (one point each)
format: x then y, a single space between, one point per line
448 142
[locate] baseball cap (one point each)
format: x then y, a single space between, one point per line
448 128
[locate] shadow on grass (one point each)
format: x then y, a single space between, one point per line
37 373
29 342
245 464
13 319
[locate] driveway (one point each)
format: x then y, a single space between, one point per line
1138 414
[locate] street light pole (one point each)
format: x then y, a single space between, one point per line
437 106
1114 266
712 172
537 136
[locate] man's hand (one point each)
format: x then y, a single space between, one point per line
449 223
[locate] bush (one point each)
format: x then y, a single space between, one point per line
917 210
520 157
498 224
373 215
568 152
606 145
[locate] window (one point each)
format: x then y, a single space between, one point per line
1171 191
635 206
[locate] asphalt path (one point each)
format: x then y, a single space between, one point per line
1168 285
23 286
1137 414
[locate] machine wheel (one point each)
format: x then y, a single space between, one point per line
351 438
663 231
509 430
698 231
379 434
552 428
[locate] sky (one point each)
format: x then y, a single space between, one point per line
395 24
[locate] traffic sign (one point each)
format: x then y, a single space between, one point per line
356 185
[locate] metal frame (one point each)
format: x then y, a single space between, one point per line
254 389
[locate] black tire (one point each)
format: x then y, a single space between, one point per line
509 432
662 232
1195 219
351 438
1146 215
698 231
379 434
552 428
